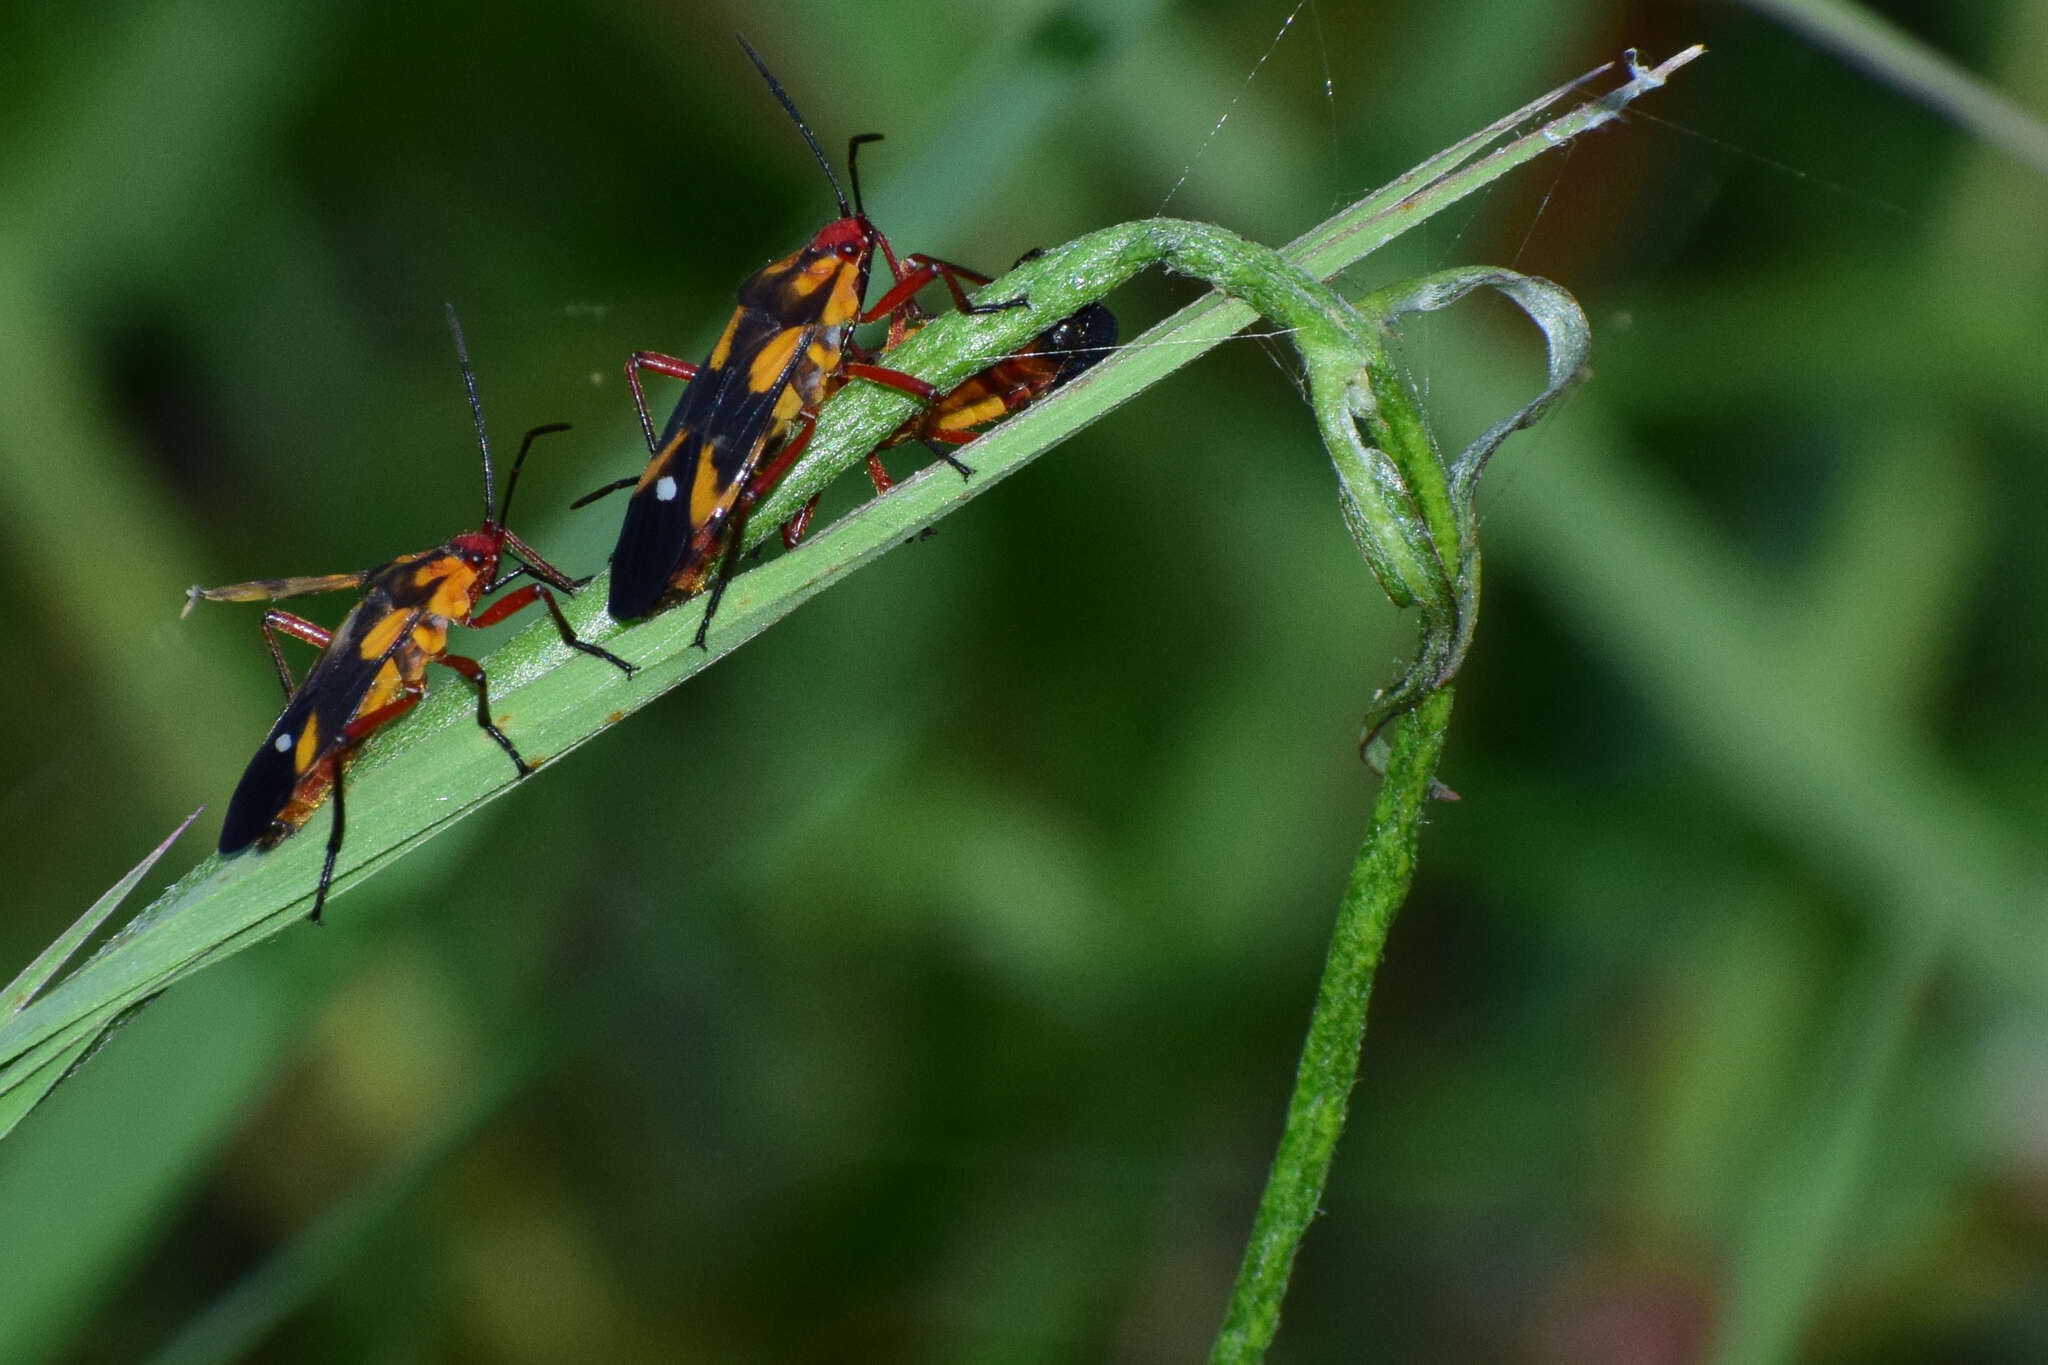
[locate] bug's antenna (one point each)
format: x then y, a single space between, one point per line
798 119
852 173
476 408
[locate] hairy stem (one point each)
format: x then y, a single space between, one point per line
1336 1032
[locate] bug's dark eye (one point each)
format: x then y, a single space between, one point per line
849 251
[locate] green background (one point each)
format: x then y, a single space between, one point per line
924 982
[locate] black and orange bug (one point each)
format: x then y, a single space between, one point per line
372 667
955 418
1050 359
759 390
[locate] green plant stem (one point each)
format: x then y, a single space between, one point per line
1336 1032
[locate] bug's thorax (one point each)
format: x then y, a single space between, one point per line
821 284
467 566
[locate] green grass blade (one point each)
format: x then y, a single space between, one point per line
35 1083
38 973
1894 57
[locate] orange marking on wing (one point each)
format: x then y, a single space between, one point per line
772 359
382 688
782 265
708 496
844 305
723 350
453 598
808 281
377 641
658 466
308 747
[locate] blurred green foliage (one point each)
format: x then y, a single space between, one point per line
924 982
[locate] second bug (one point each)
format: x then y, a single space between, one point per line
748 410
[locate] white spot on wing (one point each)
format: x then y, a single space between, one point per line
665 488
283 744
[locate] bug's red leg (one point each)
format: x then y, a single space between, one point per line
505 606
953 274
898 296
276 623
766 476
526 597
878 475
474 672
920 270
888 378
795 528
660 364
904 321
362 725
333 838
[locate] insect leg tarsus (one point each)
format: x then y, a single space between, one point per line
526 597
604 492
575 642
936 444
728 562
919 270
334 835
474 672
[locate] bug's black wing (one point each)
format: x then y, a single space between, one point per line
326 701
722 420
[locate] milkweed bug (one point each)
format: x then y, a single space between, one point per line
372 667
1053 357
760 388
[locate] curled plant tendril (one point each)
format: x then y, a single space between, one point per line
1409 510
1389 413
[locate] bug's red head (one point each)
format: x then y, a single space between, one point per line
848 238
850 242
480 550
